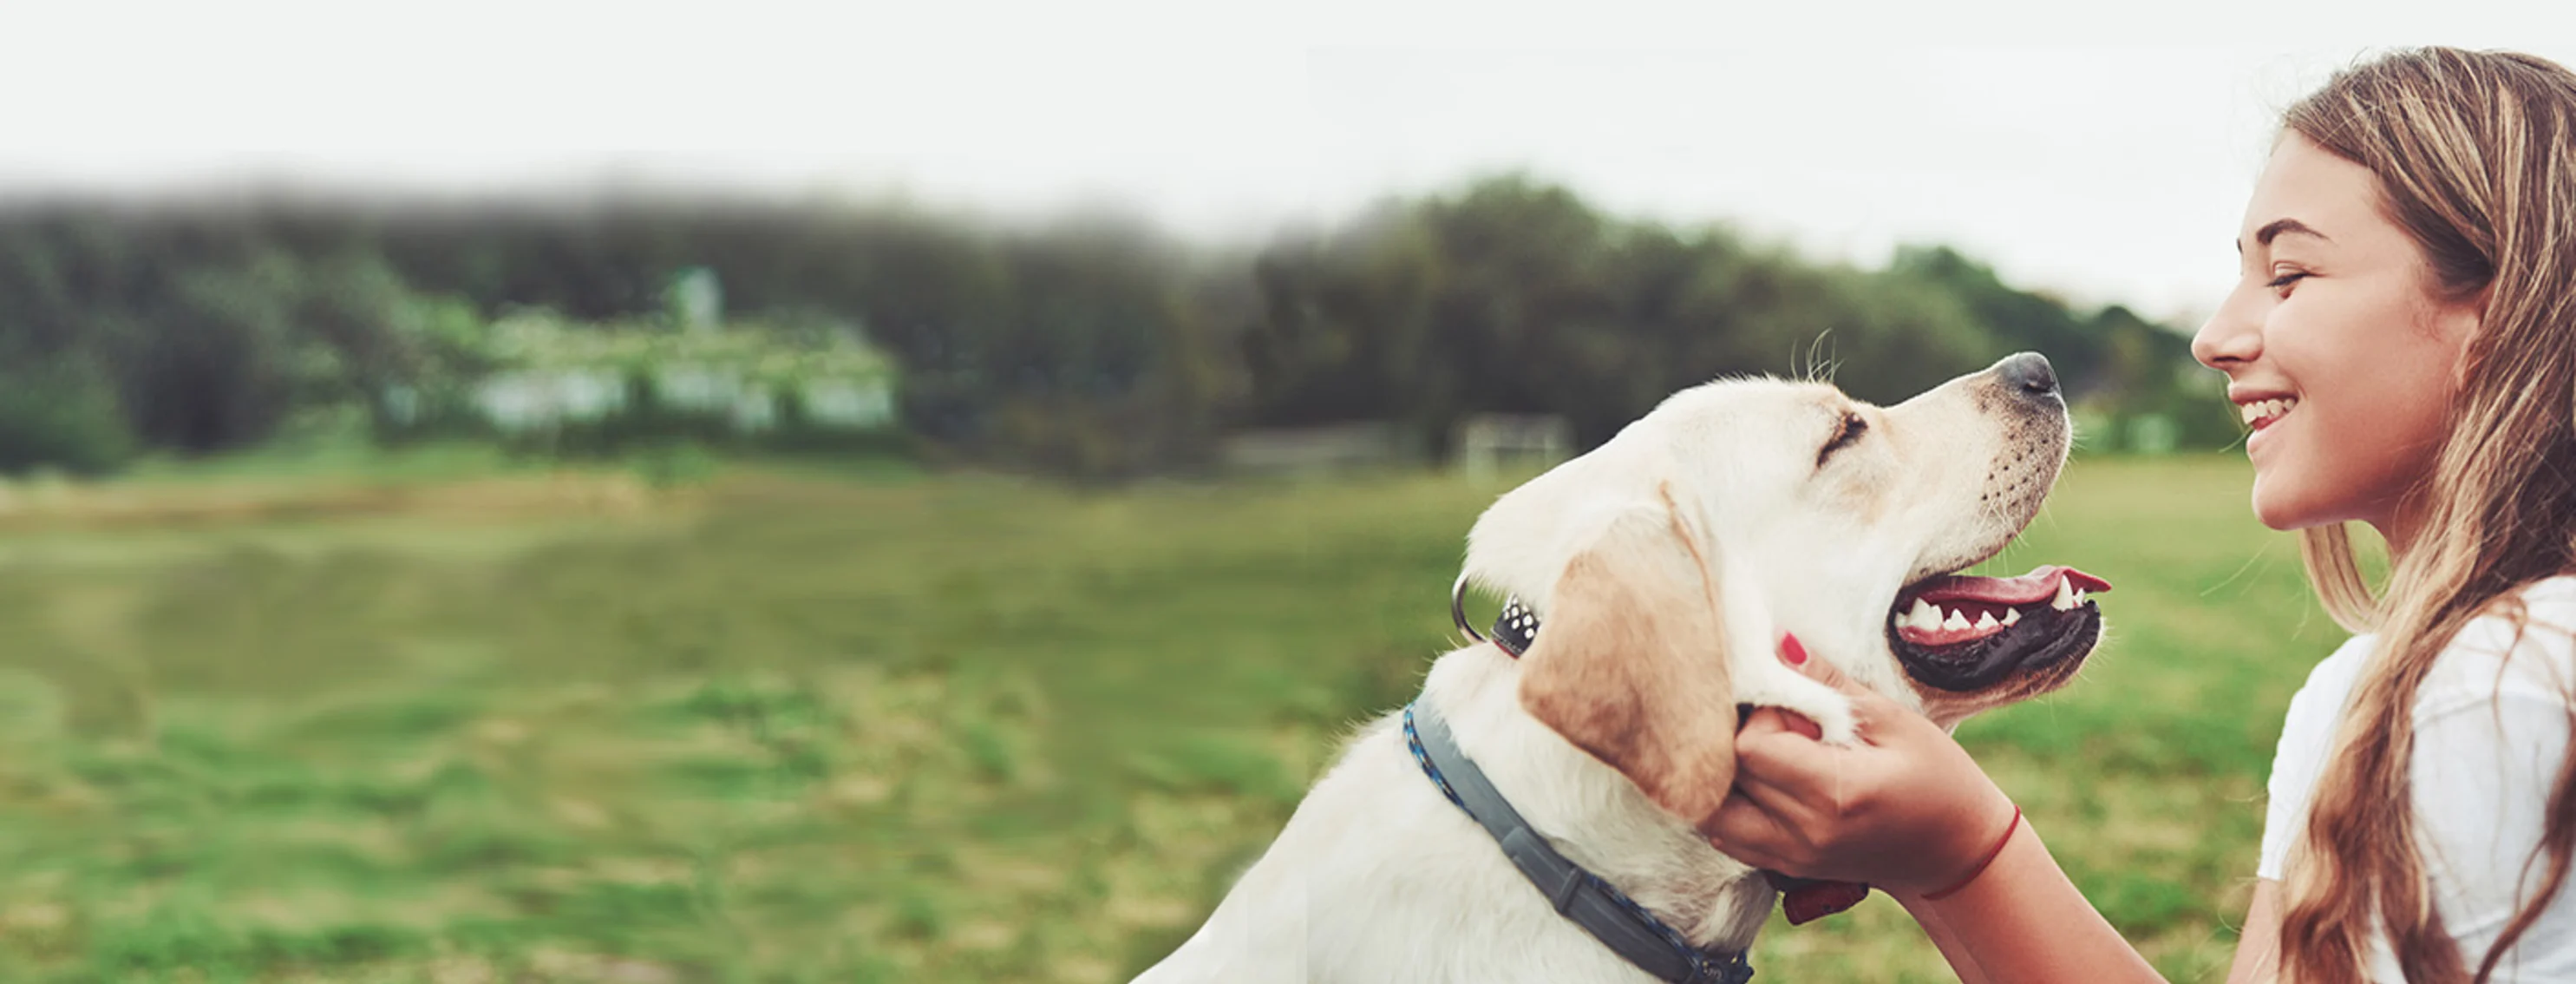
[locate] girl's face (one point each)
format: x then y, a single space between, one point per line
2339 351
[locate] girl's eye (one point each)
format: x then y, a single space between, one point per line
2282 283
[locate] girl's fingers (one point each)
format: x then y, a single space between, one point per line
1795 654
1785 749
1869 707
1773 720
1780 801
1743 830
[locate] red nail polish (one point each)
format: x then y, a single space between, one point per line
1793 651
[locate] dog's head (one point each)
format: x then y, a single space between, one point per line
1668 562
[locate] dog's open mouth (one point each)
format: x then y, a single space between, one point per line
1962 633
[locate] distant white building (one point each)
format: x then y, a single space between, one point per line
1489 443
535 399
841 403
555 374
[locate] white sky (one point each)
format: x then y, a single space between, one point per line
2104 155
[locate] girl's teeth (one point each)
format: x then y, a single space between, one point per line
2263 409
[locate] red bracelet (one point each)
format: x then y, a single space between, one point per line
1981 865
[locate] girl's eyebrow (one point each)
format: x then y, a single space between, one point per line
2278 227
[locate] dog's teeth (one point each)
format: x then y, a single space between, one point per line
1986 620
2011 615
1955 622
2065 596
1923 615
2079 598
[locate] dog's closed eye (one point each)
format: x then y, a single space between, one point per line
1847 432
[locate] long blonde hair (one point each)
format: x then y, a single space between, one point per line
2475 153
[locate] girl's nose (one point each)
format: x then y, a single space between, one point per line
2229 337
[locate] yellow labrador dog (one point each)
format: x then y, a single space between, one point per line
1532 815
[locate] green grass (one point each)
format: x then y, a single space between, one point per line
794 727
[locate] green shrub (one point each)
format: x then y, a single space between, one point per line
61 415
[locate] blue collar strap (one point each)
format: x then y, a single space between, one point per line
1579 895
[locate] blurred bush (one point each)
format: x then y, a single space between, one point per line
60 414
1090 346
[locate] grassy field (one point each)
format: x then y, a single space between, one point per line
787 728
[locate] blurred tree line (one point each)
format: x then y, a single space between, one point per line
1091 346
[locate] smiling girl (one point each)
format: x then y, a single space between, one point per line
2402 343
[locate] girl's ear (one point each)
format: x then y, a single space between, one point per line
2460 324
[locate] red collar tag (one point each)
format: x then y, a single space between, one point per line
1804 900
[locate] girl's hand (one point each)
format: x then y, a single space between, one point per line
1904 810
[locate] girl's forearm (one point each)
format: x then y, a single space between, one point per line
1953 949
2021 920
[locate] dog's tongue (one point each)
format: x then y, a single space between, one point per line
2037 586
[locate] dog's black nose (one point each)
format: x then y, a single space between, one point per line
2029 374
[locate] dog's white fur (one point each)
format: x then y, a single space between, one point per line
1378 878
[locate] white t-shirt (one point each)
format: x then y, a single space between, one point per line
2491 731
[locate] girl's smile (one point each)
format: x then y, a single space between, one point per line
2261 411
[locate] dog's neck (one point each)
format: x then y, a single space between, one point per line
1591 813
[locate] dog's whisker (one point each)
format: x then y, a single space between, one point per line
2262 556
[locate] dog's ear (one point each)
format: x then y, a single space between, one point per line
1631 664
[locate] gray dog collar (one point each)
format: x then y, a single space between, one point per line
1582 897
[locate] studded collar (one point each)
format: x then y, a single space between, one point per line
1514 629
